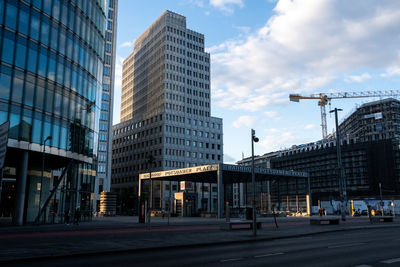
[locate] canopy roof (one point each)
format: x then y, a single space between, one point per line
230 174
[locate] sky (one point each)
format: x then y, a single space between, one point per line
264 50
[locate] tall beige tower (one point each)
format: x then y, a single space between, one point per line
127 89
165 106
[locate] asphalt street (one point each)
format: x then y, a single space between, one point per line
364 247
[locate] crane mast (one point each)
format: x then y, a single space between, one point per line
325 99
324 125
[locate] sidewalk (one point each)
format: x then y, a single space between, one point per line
110 234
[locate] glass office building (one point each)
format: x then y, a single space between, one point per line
51 72
103 180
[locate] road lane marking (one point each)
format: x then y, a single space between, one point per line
268 255
236 259
391 261
351 234
346 245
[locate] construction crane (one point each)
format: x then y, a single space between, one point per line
325 99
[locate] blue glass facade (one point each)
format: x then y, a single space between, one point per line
103 179
51 70
51 76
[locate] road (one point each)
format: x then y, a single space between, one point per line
368 247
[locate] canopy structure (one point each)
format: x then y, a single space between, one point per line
223 174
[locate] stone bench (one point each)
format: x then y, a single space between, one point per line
378 219
324 220
236 225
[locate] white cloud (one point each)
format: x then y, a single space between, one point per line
246 121
227 6
118 70
127 44
272 115
309 127
229 159
306 45
243 29
271 130
198 3
278 141
391 71
221 47
358 78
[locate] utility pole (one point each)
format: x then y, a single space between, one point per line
340 172
253 180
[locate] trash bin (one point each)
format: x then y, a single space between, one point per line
249 213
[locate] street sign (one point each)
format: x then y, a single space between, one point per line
3 141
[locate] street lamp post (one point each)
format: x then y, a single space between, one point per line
41 178
253 180
342 178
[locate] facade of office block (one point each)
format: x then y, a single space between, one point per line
103 179
51 72
165 108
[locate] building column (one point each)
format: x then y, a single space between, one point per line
170 200
209 198
19 206
96 193
139 188
202 196
287 195
308 197
161 196
279 195
220 199
297 198
269 196
245 194
76 185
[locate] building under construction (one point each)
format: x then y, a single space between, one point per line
374 121
370 156
366 164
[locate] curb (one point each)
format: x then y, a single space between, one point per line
172 247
